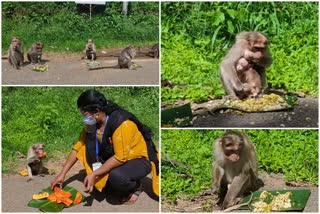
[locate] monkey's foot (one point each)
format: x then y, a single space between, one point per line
230 97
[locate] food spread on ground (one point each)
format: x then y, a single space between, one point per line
268 102
41 68
268 202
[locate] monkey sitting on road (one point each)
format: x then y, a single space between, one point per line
15 53
154 51
126 56
235 167
34 160
35 52
90 50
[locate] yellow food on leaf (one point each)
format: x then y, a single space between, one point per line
278 202
40 195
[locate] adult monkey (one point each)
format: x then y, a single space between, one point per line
253 46
235 166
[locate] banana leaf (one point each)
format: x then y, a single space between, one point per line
299 199
47 206
180 116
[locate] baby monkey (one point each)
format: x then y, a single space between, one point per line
90 50
34 160
250 79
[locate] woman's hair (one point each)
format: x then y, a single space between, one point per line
91 100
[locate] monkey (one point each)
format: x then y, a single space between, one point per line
16 53
249 78
124 59
126 56
242 65
35 52
34 160
253 46
235 167
90 50
154 51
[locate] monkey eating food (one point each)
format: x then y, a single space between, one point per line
253 46
16 53
34 160
34 54
154 52
126 56
235 167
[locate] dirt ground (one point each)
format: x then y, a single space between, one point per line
69 69
304 114
207 203
16 193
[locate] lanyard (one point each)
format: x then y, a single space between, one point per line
97 140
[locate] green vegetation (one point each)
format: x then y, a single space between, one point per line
291 152
50 115
63 29
196 36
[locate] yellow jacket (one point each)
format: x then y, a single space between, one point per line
128 143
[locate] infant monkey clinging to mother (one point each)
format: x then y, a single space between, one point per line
242 71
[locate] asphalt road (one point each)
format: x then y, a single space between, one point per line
304 114
16 193
73 71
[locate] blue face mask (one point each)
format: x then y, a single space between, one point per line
89 120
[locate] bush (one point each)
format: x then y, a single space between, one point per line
196 36
50 115
291 152
62 28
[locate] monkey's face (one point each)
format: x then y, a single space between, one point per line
16 44
232 148
39 150
39 46
259 43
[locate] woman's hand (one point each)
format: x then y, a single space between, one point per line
57 181
89 182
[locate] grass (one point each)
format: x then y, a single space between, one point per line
50 115
195 37
291 152
63 29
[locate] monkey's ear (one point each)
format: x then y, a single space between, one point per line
220 142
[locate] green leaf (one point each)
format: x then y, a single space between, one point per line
231 13
299 199
47 206
218 18
230 27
